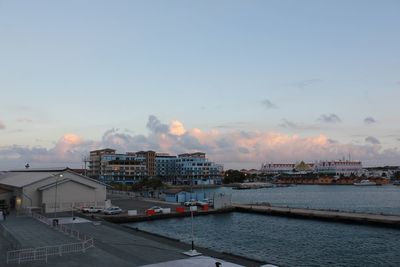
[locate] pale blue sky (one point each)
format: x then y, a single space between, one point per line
84 67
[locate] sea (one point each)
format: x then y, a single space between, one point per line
296 242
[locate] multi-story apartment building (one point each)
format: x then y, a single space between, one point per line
108 166
150 159
196 168
166 167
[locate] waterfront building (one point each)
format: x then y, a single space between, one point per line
150 159
109 167
339 167
51 190
277 168
195 168
166 167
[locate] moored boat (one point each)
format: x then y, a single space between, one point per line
365 182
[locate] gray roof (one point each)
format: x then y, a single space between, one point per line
26 177
63 182
21 179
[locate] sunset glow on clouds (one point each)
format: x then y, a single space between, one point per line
236 149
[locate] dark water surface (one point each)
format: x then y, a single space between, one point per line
374 199
287 241
296 242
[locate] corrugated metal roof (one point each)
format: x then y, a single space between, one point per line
23 178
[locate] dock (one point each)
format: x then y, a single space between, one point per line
325 215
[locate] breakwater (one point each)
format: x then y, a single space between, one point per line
325 215
302 213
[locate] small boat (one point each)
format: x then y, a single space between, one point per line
365 182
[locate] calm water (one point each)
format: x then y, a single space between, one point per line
375 199
287 242
295 242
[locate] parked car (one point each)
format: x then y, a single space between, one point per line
192 202
91 209
112 210
201 203
156 209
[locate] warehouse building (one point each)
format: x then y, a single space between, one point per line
51 190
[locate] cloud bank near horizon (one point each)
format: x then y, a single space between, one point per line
234 148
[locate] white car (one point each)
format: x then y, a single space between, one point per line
156 209
92 209
112 210
189 203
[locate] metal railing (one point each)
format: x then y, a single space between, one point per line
42 253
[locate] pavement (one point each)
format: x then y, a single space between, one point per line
115 245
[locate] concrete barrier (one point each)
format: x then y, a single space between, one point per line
193 208
166 210
132 212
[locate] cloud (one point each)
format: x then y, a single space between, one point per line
295 126
306 83
234 148
369 120
176 128
372 140
268 104
288 124
24 120
329 118
2 126
154 125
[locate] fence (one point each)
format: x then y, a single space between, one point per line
42 253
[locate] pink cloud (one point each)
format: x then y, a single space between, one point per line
235 149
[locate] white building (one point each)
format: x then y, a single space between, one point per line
339 167
277 168
52 190
196 167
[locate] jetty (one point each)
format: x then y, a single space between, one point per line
325 215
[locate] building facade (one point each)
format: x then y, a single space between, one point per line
52 190
195 168
334 167
277 168
166 167
339 167
109 167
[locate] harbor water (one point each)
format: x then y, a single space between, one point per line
371 199
297 242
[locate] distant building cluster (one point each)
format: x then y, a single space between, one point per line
336 167
111 167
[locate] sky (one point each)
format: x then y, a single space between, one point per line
247 82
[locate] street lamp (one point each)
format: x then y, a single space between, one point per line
55 195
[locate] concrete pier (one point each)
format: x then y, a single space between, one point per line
326 215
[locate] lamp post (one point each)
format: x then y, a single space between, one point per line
55 195
192 252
